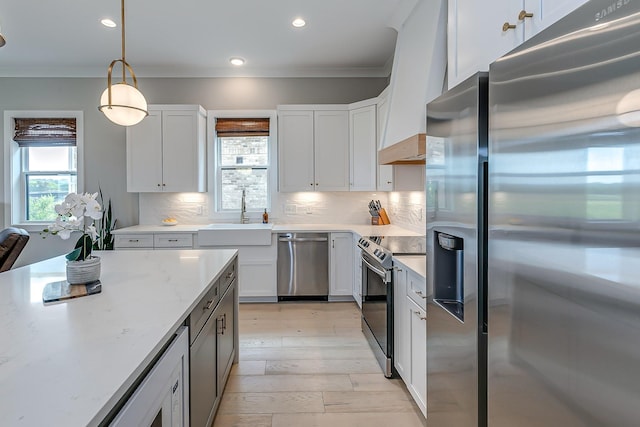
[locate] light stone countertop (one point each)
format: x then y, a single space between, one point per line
68 363
416 263
362 230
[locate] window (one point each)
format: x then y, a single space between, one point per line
43 163
243 163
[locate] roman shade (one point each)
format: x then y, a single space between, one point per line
242 127
45 132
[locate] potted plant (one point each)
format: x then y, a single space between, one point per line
78 212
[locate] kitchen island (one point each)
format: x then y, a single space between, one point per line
70 363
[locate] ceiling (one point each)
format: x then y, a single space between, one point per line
196 38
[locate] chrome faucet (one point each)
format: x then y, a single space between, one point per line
243 214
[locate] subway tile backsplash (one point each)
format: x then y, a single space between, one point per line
406 209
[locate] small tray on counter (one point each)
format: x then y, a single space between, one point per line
62 290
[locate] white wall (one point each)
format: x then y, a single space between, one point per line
105 158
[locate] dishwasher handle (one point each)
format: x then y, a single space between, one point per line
303 239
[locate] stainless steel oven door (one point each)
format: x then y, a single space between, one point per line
377 314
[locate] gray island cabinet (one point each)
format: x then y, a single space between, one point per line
213 329
78 362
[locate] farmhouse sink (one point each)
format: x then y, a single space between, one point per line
226 234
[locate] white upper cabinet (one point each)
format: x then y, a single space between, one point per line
144 154
313 149
331 150
295 151
545 13
363 146
166 151
481 32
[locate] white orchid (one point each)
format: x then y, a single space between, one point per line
71 217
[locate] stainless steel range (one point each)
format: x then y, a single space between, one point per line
377 290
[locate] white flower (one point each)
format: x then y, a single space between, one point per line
71 215
92 231
93 209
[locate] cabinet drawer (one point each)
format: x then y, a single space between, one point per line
227 277
417 289
134 241
201 312
173 240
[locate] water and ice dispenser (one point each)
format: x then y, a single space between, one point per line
449 273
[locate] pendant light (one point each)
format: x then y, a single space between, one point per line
122 103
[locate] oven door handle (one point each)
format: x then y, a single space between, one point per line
379 272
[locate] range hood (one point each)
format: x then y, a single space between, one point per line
411 151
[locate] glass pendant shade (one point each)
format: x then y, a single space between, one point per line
128 106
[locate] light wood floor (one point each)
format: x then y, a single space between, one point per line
308 365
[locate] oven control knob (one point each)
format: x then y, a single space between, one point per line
382 256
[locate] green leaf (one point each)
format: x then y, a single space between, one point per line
73 255
85 244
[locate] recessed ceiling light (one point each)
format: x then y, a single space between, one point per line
298 23
108 23
237 61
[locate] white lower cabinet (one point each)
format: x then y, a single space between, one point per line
417 383
154 241
357 272
401 325
410 333
341 265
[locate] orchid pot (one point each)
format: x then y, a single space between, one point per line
77 213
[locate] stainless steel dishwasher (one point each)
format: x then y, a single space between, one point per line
303 266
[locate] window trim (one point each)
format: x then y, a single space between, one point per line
14 191
212 160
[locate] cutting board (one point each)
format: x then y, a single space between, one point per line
62 290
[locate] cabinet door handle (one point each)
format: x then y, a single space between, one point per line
158 185
223 323
134 240
208 306
172 240
524 14
389 182
506 27
398 269
417 313
420 294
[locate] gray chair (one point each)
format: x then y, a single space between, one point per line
12 242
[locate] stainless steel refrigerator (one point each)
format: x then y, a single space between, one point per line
456 166
564 224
